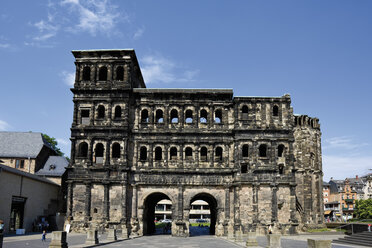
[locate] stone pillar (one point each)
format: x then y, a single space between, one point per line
106 202
252 240
107 160
69 200
88 201
313 243
273 240
111 235
90 153
73 149
227 203
92 237
58 240
180 203
274 209
124 228
134 202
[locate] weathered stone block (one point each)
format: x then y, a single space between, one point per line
58 240
252 240
313 243
92 237
111 235
274 240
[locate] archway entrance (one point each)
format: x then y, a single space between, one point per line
157 212
203 215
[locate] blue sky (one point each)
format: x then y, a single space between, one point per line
318 51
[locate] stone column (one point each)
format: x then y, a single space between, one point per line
124 228
180 203
90 153
107 160
73 149
255 203
227 203
106 202
69 200
134 202
274 209
88 192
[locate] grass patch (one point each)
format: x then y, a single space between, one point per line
160 225
201 224
320 230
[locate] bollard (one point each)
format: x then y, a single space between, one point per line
58 240
112 235
251 241
273 240
238 236
124 232
313 243
92 237
1 239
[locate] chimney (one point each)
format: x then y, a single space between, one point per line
356 176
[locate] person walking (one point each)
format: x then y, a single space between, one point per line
43 236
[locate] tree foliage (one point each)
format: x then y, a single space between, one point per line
53 142
363 209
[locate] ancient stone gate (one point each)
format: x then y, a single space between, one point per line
254 161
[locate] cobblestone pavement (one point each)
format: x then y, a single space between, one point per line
202 241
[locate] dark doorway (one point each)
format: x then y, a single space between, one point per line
17 213
152 220
199 226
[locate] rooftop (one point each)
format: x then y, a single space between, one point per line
21 144
54 166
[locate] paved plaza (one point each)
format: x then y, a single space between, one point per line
164 240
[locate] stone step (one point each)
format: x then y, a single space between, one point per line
359 238
353 242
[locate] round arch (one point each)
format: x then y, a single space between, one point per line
213 202
149 203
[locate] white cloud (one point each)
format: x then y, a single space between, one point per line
46 29
138 34
4 45
63 142
341 167
68 78
4 126
93 15
342 142
157 69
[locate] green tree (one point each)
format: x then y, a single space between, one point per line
363 209
53 142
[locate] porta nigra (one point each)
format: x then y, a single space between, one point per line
250 158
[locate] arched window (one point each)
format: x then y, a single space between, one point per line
218 116
244 168
143 153
102 76
218 154
204 154
280 150
99 153
158 153
86 73
144 116
116 150
117 112
83 150
203 116
159 116
174 116
101 112
188 116
262 150
173 153
188 153
120 73
245 151
275 110
281 169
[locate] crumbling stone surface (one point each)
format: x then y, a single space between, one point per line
250 158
